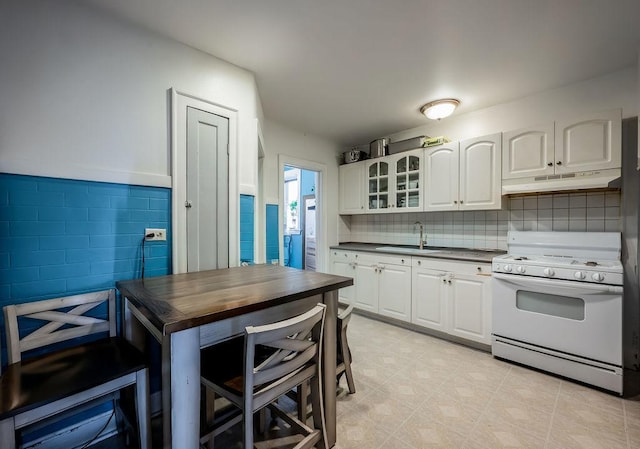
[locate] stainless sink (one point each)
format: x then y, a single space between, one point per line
396 249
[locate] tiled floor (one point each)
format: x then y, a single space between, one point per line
416 391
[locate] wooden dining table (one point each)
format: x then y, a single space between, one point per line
186 312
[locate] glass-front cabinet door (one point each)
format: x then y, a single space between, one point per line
378 185
408 181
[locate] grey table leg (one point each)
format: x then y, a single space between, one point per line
181 389
329 363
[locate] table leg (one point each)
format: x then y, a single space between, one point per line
133 330
330 299
181 389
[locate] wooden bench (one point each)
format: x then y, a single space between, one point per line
47 385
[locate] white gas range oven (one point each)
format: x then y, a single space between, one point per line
557 305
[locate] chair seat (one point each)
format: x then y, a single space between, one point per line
40 380
223 364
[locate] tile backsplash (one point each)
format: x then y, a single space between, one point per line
582 211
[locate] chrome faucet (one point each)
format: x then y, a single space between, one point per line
422 238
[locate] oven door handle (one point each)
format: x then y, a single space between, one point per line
528 281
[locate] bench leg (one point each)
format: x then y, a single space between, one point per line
143 409
8 434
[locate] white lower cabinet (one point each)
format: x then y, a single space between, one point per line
384 285
343 264
452 297
428 296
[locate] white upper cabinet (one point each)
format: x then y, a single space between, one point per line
591 142
393 183
351 200
377 179
441 177
480 173
464 175
528 152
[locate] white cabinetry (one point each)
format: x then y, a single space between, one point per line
464 175
452 297
393 183
528 152
579 144
394 289
428 295
383 285
343 264
351 197
591 142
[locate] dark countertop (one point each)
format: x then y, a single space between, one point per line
466 254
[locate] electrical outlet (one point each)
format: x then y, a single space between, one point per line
158 234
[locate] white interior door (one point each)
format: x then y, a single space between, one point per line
207 199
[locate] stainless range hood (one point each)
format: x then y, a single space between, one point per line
596 179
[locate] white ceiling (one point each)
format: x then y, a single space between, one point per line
355 70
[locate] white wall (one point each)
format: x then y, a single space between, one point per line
85 95
614 90
280 140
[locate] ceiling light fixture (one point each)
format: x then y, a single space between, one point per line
438 109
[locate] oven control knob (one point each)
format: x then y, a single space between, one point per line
520 269
549 272
507 268
579 275
598 277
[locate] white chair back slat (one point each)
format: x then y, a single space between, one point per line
50 333
64 318
63 335
51 327
288 349
59 303
283 368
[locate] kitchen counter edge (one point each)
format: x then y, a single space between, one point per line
464 254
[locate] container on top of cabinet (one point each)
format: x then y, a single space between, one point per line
578 153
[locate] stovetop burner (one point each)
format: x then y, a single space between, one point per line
563 256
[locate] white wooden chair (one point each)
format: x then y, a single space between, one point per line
277 358
54 383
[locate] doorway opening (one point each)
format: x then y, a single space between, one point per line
299 218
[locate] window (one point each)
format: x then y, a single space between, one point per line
292 200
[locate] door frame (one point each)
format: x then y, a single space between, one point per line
321 215
180 100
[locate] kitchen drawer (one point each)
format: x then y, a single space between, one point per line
393 260
462 267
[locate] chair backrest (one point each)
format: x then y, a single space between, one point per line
61 319
344 316
295 342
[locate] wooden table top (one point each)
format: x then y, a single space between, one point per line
181 301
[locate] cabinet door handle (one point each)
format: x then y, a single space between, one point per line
550 164
461 201
455 202
444 280
559 163
419 262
